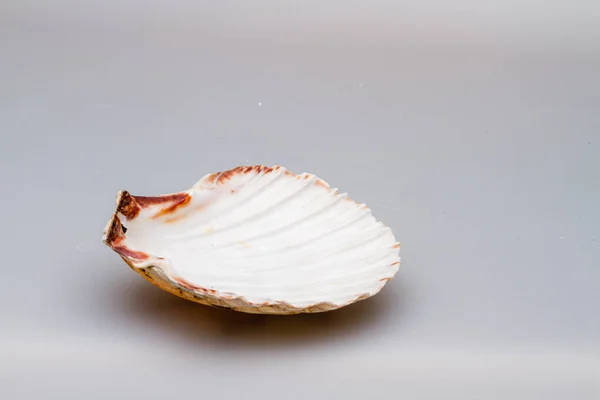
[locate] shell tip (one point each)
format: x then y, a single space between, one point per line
113 231
127 205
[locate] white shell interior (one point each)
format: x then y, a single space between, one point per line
270 237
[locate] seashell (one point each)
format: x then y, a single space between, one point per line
256 239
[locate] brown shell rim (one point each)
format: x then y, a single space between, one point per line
129 206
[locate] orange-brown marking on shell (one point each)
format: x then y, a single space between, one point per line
172 208
128 206
288 173
227 175
213 177
174 219
146 201
123 250
187 285
396 246
322 183
115 233
396 263
197 208
224 177
385 279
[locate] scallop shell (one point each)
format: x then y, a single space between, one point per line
256 239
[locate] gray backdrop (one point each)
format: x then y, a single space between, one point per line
471 128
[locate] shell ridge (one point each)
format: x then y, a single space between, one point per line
362 242
298 246
291 225
200 230
323 262
260 214
294 224
338 228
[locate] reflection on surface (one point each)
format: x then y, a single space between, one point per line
141 303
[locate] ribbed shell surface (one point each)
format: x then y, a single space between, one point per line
256 239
